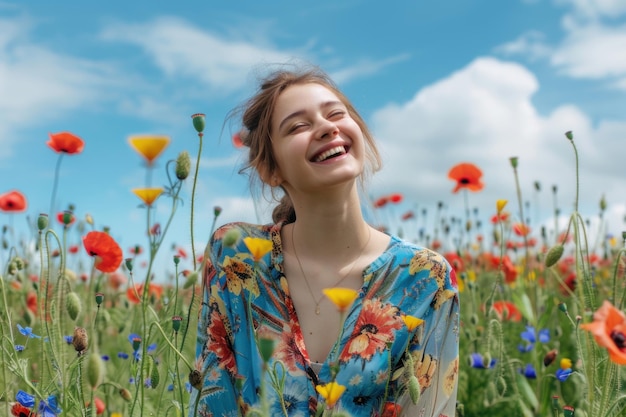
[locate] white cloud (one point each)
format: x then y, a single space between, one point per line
484 114
181 50
531 44
37 84
595 9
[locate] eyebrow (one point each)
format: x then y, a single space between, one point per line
301 112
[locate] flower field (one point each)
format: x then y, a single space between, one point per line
543 330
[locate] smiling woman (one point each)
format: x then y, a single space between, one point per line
388 346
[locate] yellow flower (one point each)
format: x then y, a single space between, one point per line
331 392
566 363
500 204
116 414
341 297
411 321
148 195
257 246
149 146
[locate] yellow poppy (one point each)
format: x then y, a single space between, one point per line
411 322
500 204
566 363
149 146
148 195
331 392
258 247
341 297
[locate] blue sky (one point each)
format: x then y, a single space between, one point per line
439 83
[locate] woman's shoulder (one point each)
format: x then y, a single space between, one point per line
241 230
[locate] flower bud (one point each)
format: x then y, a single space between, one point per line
195 379
266 348
217 210
513 160
136 343
176 259
183 165
569 135
550 357
231 237
602 203
414 389
198 122
563 307
192 279
94 370
126 394
80 340
68 217
553 255
568 411
155 377
73 305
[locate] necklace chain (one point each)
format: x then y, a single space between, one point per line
306 280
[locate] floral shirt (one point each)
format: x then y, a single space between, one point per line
376 355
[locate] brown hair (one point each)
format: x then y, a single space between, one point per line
256 132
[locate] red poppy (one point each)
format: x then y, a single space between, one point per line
31 302
396 198
181 252
107 252
521 229
18 410
501 217
391 410
136 250
408 215
135 293
237 141
467 176
609 330
13 201
507 310
117 279
455 261
100 407
155 230
73 249
66 218
65 142
569 284
381 202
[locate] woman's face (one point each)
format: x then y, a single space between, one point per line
315 141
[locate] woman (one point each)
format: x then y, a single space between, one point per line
306 139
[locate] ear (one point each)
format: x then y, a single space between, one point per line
273 179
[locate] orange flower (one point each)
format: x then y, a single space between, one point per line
13 201
521 229
148 195
149 146
258 247
31 301
467 176
107 252
506 310
135 293
341 297
609 329
65 142
330 392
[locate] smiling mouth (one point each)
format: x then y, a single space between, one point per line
331 153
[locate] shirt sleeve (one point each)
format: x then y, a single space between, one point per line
216 393
434 352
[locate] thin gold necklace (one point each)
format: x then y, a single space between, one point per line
306 281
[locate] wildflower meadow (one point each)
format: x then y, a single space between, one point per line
83 333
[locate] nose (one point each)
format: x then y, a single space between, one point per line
327 129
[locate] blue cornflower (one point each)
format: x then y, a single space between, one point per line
20 348
49 407
28 332
122 355
188 387
151 348
148 382
105 357
68 339
544 335
131 381
170 387
477 361
563 374
132 337
137 356
25 399
529 372
530 336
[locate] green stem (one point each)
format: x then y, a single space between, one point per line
193 195
55 184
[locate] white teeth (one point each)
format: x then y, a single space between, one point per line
333 151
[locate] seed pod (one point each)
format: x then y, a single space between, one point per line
554 254
126 394
183 165
80 340
414 389
195 379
